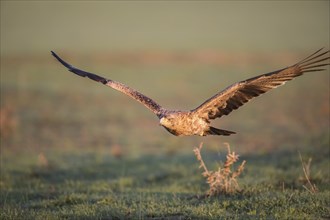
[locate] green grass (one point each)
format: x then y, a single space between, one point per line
75 124
94 185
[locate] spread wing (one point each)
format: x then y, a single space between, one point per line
239 93
146 101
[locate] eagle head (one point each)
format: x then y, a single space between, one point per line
166 122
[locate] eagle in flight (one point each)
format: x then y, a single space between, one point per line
197 121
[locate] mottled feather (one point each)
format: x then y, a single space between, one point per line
146 101
241 92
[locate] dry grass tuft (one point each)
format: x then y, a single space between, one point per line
222 181
307 173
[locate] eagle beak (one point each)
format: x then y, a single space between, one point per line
162 121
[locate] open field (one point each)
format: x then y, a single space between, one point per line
74 149
77 149
95 185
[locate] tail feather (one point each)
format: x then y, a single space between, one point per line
217 131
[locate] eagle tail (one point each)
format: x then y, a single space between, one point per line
217 131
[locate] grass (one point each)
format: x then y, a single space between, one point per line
95 185
76 150
307 173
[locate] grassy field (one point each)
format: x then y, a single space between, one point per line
95 185
72 149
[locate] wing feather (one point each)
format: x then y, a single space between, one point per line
146 101
241 92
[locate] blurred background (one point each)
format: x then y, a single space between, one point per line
178 53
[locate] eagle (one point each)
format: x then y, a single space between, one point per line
197 121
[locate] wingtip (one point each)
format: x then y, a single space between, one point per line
70 67
54 54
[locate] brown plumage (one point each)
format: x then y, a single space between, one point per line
197 121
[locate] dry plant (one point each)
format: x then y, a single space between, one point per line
307 173
222 181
